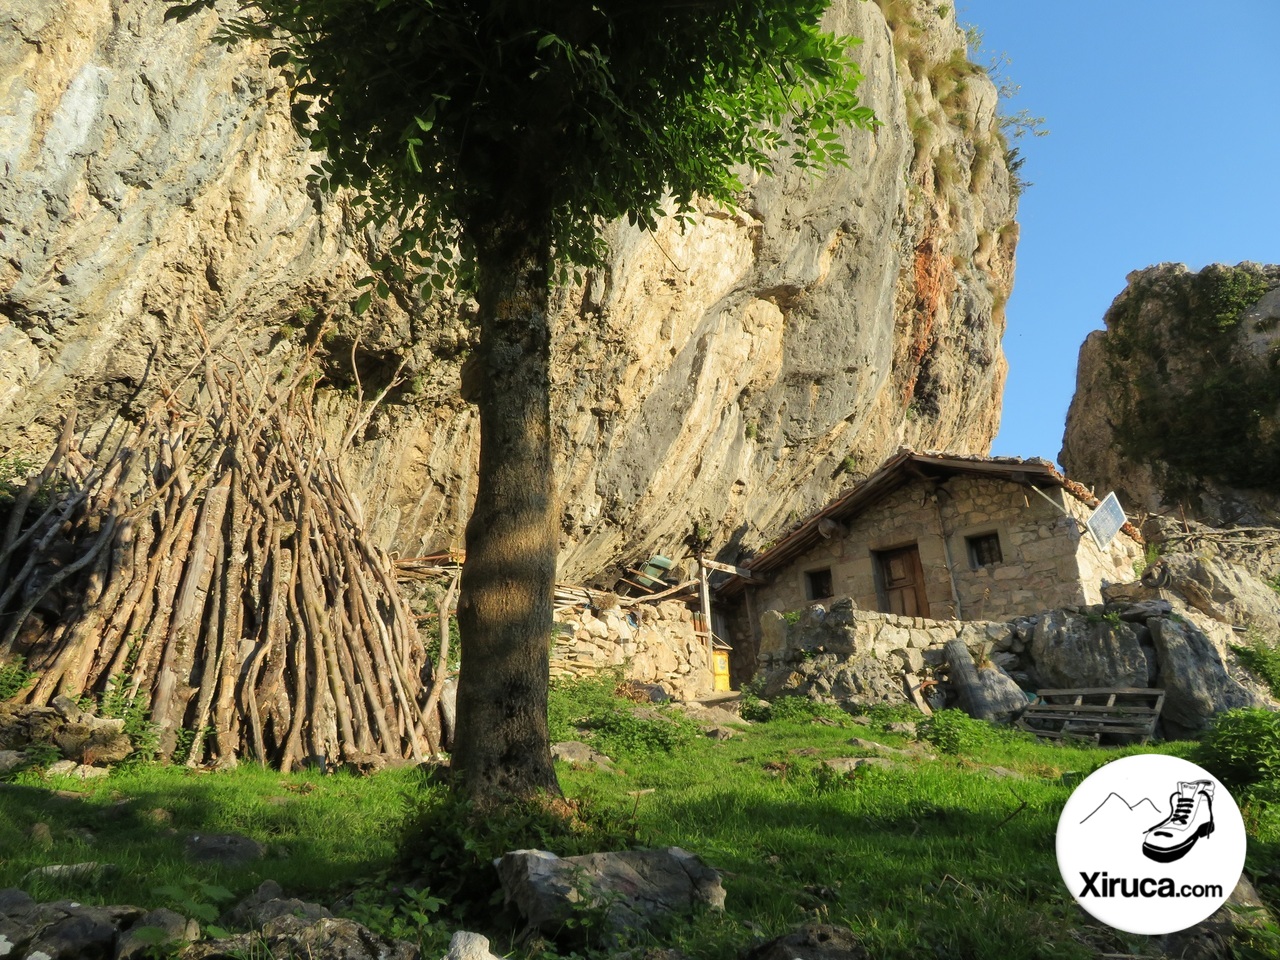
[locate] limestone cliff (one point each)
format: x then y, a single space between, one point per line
1177 404
153 193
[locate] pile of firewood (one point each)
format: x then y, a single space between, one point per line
211 557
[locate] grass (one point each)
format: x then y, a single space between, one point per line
940 857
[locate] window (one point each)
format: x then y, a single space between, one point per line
817 584
984 550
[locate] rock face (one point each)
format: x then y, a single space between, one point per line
154 193
1178 401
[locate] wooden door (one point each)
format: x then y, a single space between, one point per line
903 578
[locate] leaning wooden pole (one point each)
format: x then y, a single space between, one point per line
212 562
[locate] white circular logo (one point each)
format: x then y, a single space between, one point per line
1151 844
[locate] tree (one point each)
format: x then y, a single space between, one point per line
497 138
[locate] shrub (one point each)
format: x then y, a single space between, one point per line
1262 658
1242 747
14 677
621 732
954 731
797 709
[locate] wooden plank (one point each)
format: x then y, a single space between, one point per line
1148 691
1091 708
915 690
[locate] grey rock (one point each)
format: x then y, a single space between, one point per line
329 938
1140 611
1005 698
229 849
1193 676
41 835
267 903
580 754
64 930
157 929
722 733
1227 592
469 946
11 760
1073 651
812 942
13 900
849 764
904 728
633 886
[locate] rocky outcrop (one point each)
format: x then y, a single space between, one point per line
1177 403
154 193
1143 637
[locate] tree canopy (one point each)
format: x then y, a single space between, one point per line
448 116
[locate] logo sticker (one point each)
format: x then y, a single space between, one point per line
1151 844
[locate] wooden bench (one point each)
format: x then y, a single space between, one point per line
1091 713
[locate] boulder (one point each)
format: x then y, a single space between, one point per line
580 755
469 946
229 849
1193 676
1227 592
267 903
61 931
633 887
154 933
818 941
1076 651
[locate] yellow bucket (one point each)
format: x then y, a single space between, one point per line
720 669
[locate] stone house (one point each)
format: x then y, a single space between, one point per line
936 537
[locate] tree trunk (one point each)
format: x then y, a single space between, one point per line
502 749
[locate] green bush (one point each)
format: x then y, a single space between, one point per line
796 709
954 731
621 732
14 678
1242 747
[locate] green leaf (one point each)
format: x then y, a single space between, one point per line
362 303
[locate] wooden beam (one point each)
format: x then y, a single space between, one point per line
727 568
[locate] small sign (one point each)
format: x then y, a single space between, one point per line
1106 521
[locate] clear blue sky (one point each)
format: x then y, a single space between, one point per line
1164 145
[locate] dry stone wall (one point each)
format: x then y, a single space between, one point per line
649 643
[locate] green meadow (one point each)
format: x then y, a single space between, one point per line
945 848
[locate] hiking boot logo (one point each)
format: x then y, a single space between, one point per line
1190 818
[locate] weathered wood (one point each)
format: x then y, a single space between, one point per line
964 677
220 571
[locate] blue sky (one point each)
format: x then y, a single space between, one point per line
1164 145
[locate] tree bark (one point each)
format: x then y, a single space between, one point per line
502 749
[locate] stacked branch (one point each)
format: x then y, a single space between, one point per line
212 560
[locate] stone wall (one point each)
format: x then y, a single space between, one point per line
1046 558
652 643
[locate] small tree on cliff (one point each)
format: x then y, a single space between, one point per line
496 138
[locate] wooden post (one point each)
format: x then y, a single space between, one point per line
704 595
